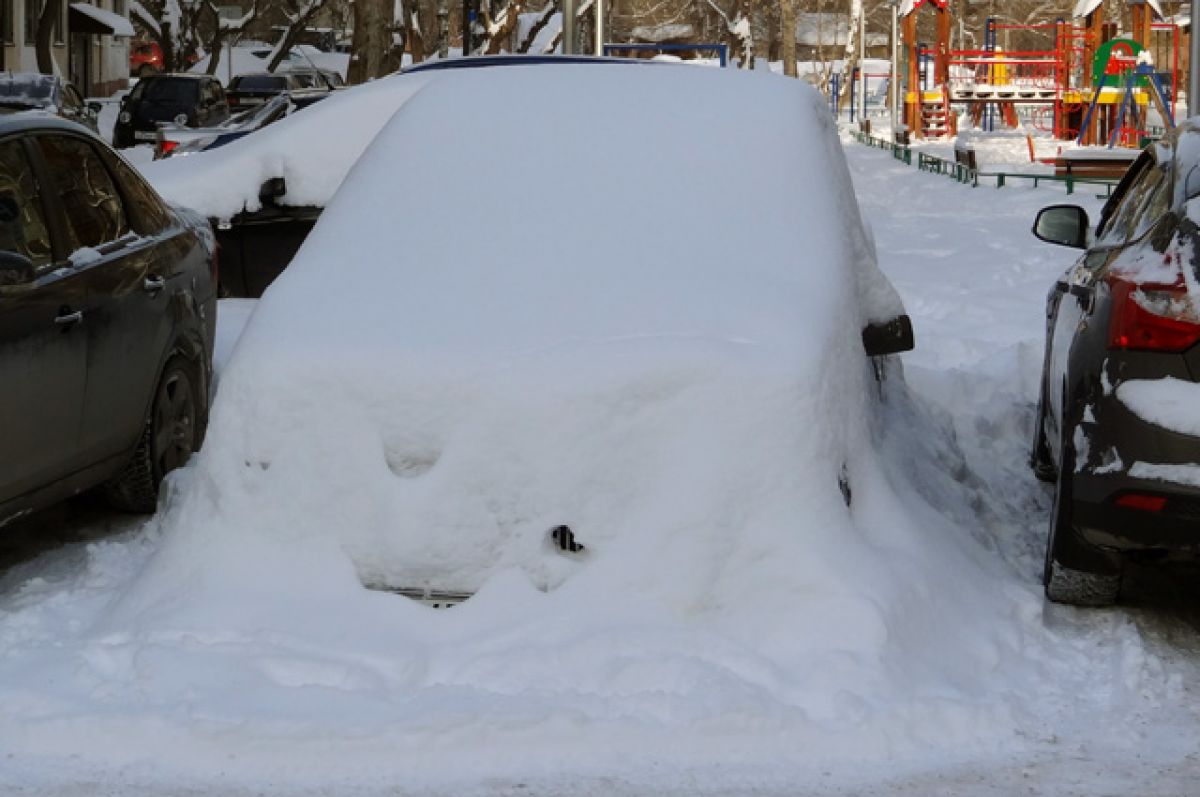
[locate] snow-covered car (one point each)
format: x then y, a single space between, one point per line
265 194
649 324
31 91
1118 424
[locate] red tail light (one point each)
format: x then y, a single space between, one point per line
165 148
1145 503
1149 317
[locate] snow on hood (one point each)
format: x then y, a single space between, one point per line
312 151
655 341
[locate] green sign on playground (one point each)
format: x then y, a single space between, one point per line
1114 59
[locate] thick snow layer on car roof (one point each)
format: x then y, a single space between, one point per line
312 151
646 329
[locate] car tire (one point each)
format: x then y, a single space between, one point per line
172 432
1065 584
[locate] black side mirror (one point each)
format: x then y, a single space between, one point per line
16 269
95 107
1066 225
271 190
890 337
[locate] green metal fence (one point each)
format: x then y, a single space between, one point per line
963 173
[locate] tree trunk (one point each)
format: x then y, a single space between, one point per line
372 40
787 36
296 25
45 37
851 54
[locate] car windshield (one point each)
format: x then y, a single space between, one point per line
26 91
259 83
167 89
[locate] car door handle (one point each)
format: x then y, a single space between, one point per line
154 284
66 318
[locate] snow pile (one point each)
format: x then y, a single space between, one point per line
312 151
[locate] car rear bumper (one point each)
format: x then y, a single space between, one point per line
1123 456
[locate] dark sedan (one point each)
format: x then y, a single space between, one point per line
257 88
107 320
1122 344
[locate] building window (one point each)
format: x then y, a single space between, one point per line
6 21
32 9
60 24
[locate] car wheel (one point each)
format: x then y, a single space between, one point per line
172 432
1066 584
1039 456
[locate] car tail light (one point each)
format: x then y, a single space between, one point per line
1139 501
165 148
1147 317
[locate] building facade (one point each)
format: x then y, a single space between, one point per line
90 45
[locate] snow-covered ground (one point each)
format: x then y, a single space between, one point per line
1041 701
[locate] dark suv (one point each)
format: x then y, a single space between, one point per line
107 317
1123 348
189 100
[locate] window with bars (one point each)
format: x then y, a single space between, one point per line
33 9
6 21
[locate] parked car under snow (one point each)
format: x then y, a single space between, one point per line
1118 424
265 193
601 348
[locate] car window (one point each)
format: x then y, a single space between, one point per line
152 216
71 99
1116 223
22 219
261 83
1155 202
92 205
166 89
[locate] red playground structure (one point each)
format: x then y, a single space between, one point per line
1084 82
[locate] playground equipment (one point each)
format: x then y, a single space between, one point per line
1084 83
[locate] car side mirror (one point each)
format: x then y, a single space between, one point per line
271 190
16 269
1065 225
889 337
95 107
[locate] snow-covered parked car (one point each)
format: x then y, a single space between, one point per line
649 324
265 193
31 91
1118 424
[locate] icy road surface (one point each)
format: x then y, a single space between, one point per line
1109 706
